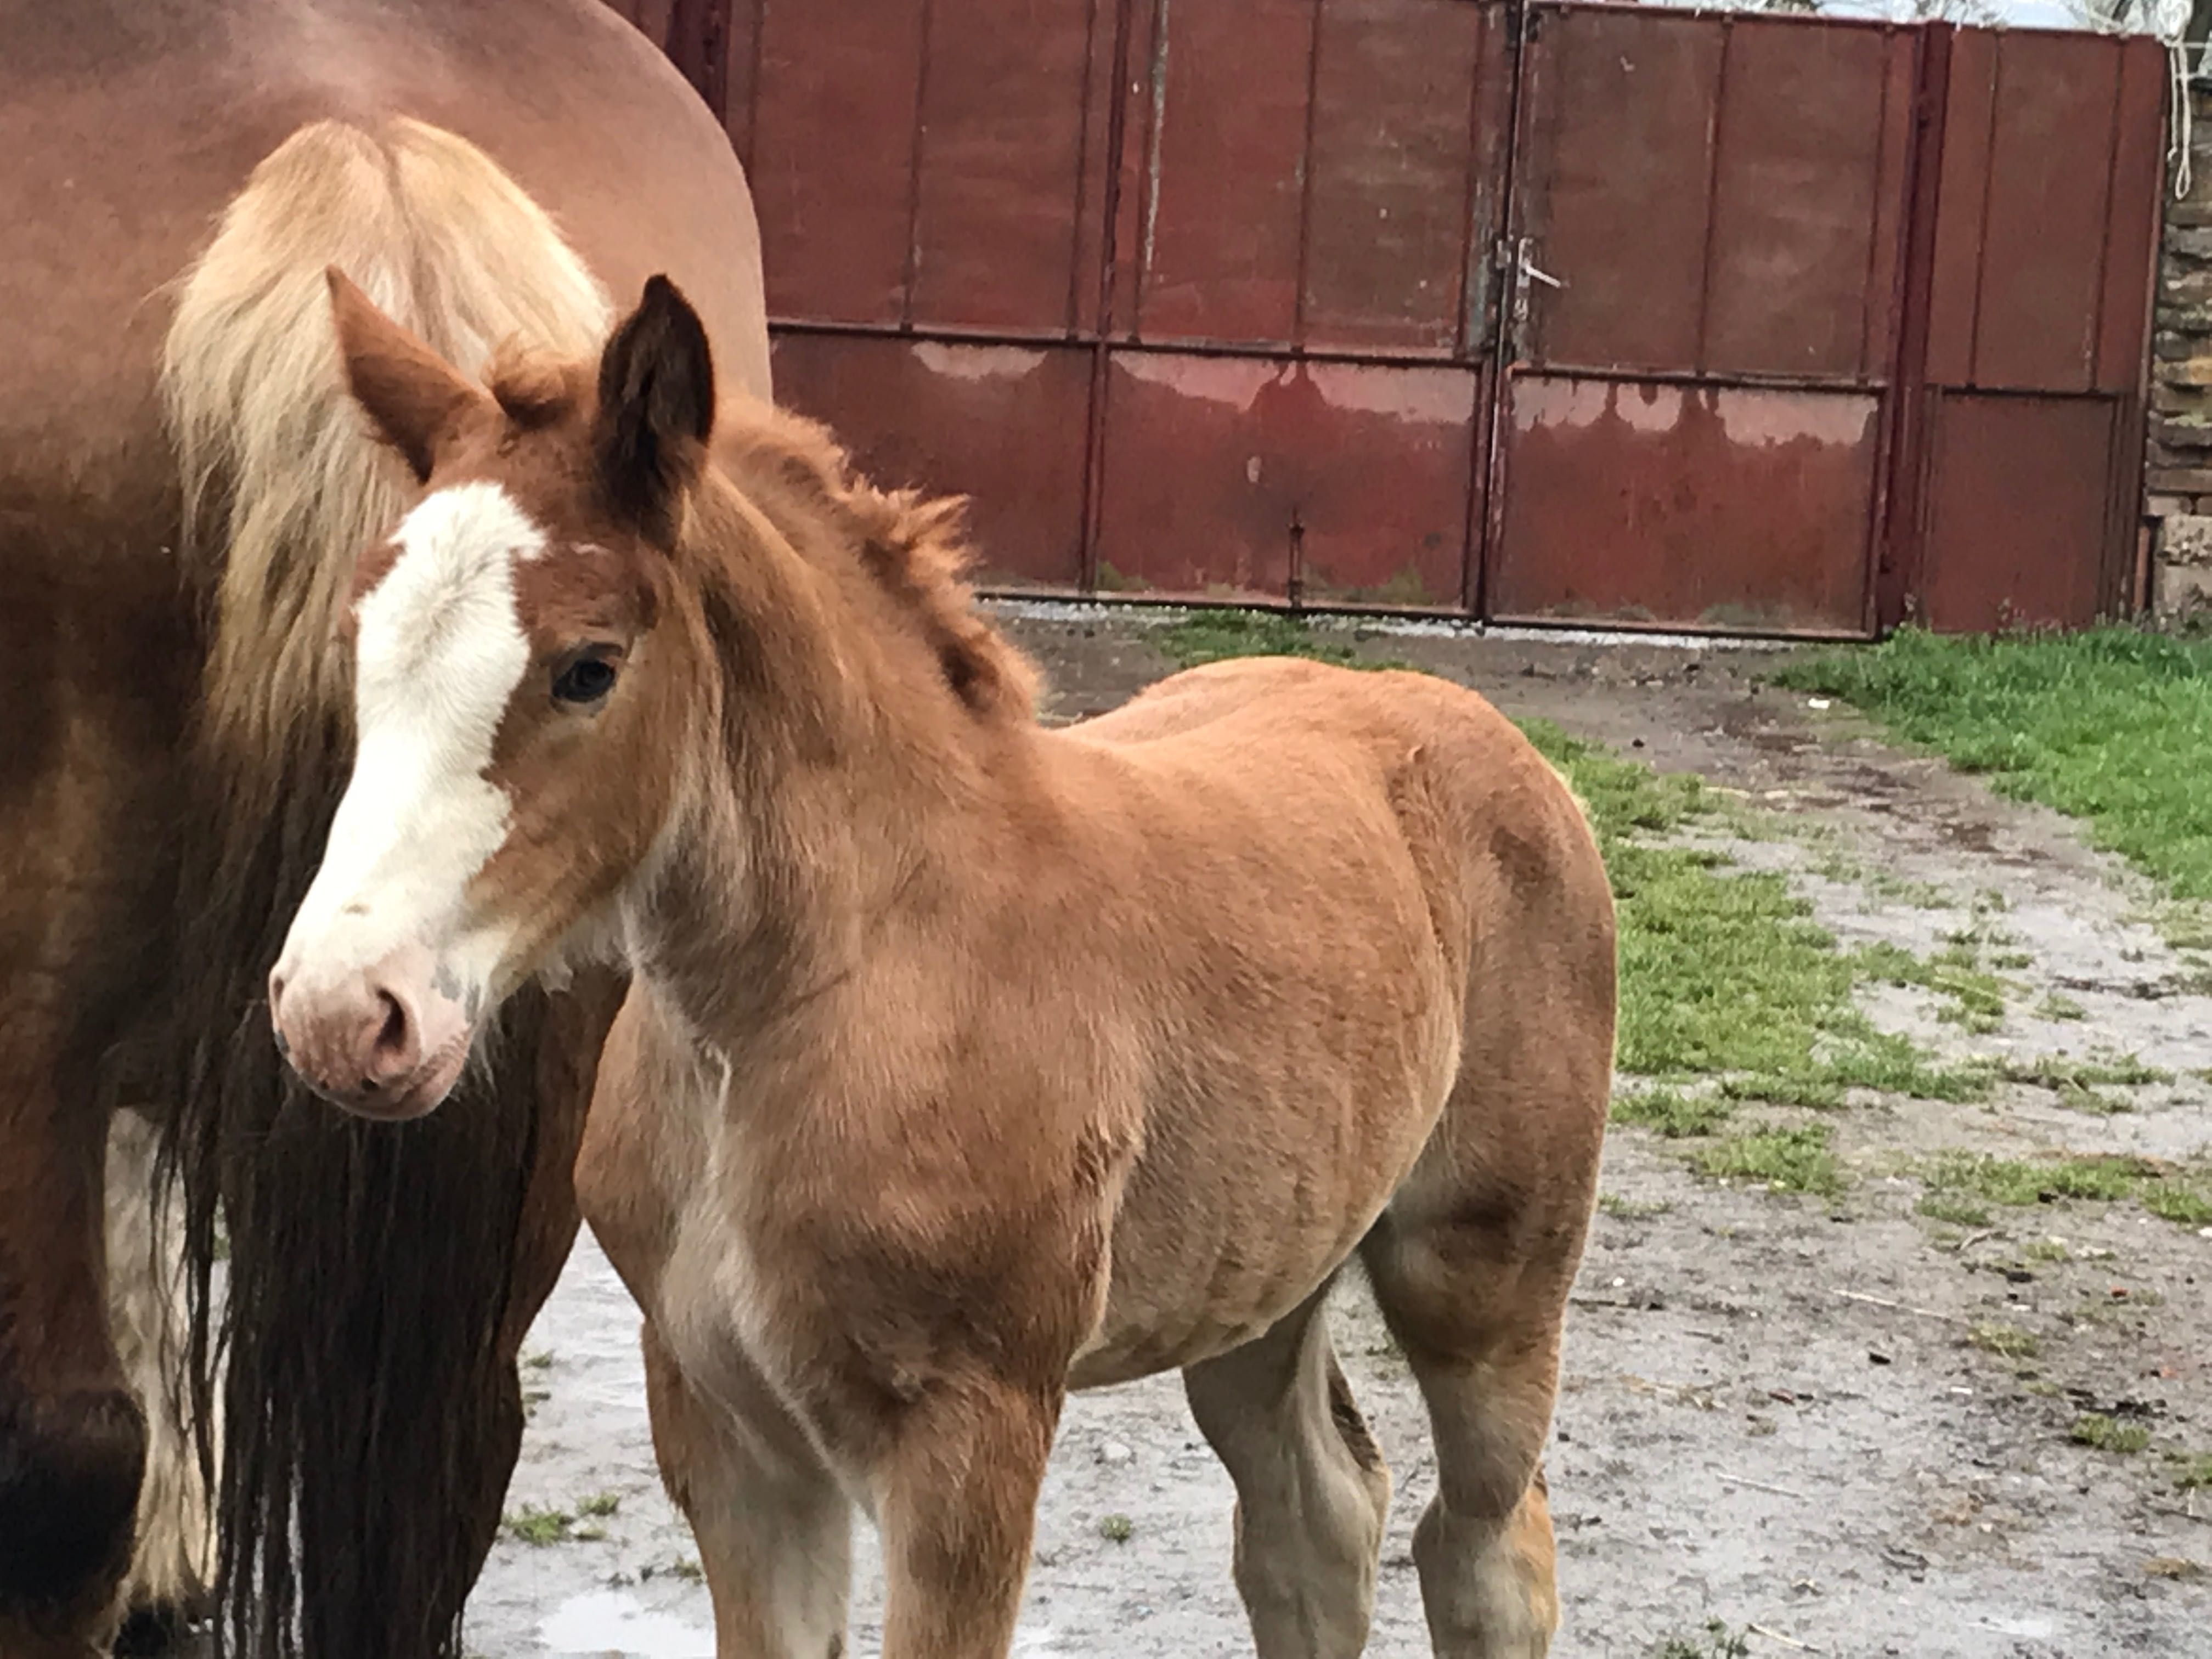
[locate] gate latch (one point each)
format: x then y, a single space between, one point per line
1530 272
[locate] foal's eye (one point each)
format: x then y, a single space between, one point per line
584 681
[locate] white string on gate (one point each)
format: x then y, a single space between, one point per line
2169 21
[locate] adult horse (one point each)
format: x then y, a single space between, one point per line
184 486
964 1062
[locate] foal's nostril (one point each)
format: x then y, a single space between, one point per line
395 1039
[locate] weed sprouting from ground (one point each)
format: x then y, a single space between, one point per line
2103 1433
1633 1209
2111 724
1717 1641
1671 1113
2192 1471
2007 1341
539 1526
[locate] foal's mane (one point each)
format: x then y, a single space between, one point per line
913 547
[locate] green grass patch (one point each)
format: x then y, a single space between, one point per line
1671 1113
2086 1086
1960 1184
2192 1471
2007 1341
1633 1209
2110 724
600 1504
2178 1202
539 1526
1720 972
1794 1160
1205 636
1716 1641
2108 1434
1117 1529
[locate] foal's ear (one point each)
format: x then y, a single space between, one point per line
415 397
656 405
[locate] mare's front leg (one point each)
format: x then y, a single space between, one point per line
956 1499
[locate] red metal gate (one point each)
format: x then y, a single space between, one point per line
1541 312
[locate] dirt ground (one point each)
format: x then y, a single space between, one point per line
1773 1415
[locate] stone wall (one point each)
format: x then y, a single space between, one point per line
2178 483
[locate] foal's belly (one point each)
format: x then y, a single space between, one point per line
1212 1249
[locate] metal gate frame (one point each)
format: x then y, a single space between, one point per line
1978 422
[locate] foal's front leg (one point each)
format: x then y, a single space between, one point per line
957 1505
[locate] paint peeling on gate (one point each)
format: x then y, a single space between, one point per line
1239 297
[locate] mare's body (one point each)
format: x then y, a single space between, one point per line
177 741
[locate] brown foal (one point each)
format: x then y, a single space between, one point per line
965 1062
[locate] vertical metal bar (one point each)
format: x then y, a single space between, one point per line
1715 135
1083 169
1473 250
1109 258
713 58
913 168
1988 189
2135 436
2105 215
1865 365
1884 380
1155 136
1901 562
1306 179
1487 483
753 93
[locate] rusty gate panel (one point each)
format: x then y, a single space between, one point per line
833 123
1398 146
1240 477
1706 317
1727 508
2045 219
2020 243
1224 158
1005 427
1727 216
2018 509
999 163
1587 188
1813 135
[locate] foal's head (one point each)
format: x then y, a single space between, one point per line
518 674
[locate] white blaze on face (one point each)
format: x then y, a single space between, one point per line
439 650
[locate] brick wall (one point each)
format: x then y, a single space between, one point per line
2177 485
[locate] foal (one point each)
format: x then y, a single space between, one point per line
965 1062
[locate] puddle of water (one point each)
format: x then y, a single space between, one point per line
611 1622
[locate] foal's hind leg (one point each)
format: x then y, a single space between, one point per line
1482 1334
1311 1487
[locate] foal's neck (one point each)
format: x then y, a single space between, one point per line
840 781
